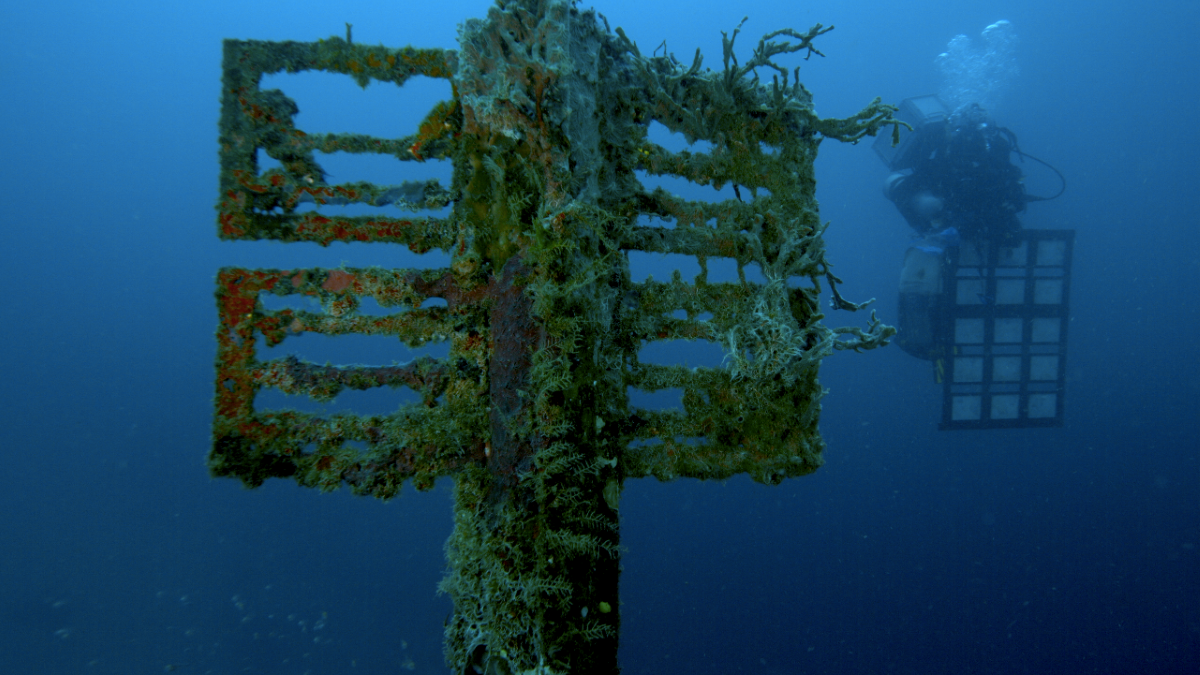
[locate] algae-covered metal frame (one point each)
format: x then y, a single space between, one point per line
548 132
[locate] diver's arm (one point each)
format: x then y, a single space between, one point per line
914 199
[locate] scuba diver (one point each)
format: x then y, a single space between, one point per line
964 180
955 184
982 298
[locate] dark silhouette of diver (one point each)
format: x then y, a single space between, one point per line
961 188
964 179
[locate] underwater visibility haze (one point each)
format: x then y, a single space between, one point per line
1069 549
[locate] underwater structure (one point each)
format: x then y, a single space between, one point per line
530 411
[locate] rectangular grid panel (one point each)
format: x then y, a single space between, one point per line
1005 326
324 450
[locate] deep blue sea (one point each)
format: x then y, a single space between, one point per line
912 551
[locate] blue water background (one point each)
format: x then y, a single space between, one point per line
1069 550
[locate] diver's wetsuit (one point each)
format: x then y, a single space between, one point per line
964 186
969 171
